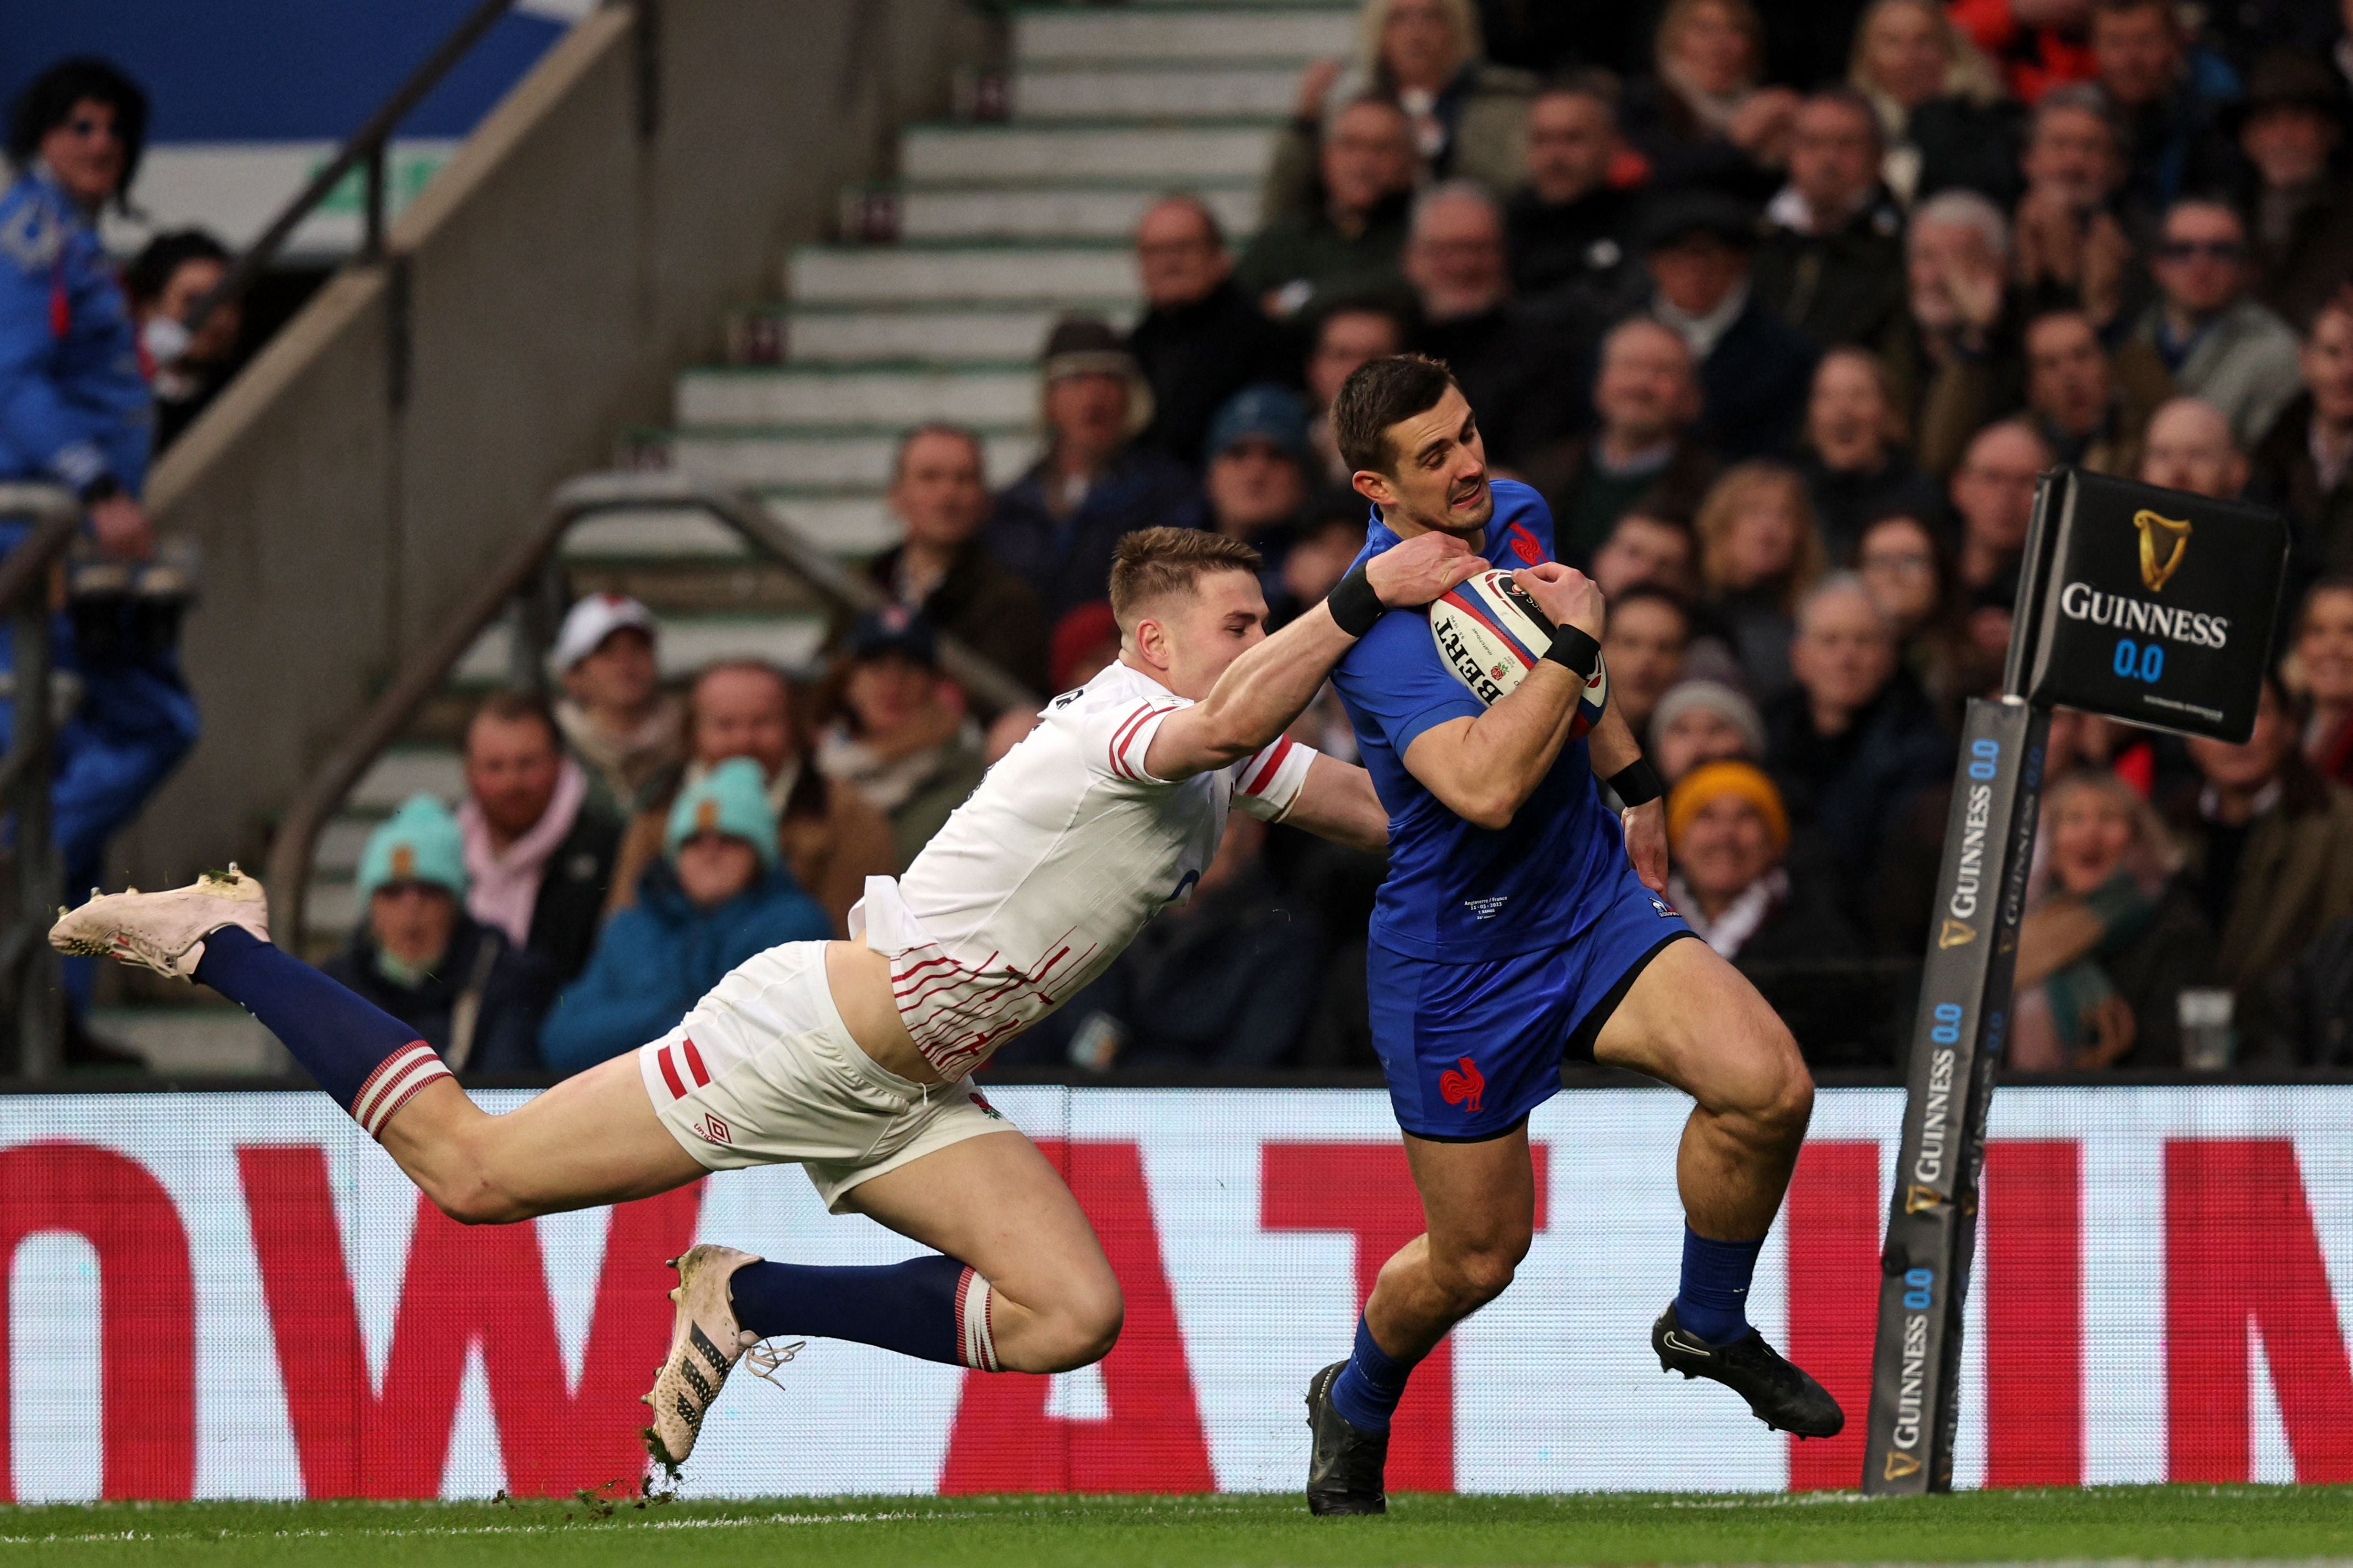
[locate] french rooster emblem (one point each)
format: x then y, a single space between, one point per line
1464 1087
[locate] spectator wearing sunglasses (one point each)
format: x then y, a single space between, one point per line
2222 347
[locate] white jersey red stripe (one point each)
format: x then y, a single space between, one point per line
1047 873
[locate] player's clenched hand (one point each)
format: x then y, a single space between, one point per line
1565 593
1421 569
1646 843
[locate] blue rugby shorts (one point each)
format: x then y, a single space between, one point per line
1471 1049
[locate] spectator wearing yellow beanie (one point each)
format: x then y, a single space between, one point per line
1729 833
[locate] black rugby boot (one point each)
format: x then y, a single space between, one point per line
1782 1394
1345 1474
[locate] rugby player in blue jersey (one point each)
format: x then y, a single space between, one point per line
1521 924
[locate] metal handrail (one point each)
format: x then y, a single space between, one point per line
368 144
38 1007
288 874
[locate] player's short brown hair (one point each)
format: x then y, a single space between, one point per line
1154 562
1376 394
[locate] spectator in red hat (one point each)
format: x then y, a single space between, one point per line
1084 641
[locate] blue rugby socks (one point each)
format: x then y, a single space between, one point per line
933 1307
1367 1390
1714 1300
369 1060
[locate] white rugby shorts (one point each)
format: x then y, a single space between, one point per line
763 1072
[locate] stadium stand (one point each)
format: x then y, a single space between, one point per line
998 229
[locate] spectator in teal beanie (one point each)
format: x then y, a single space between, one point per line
461 985
719 894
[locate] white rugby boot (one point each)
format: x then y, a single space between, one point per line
164 932
705 1343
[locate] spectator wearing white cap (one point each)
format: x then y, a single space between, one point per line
614 715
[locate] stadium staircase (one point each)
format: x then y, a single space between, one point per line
933 306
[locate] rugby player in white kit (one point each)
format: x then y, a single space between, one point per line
850 1058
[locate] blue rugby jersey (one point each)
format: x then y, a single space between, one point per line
1457 892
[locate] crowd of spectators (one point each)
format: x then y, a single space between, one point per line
1783 310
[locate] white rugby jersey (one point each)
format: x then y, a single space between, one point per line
1064 851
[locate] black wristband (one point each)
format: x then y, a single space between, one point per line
1352 603
1575 651
1636 784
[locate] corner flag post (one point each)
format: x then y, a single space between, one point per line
1965 998
2149 605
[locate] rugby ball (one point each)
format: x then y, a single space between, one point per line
1490 633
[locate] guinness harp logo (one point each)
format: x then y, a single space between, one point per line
1955 933
1918 1199
2162 542
1900 1464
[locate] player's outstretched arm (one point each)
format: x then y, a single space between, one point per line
1268 687
1484 768
1337 802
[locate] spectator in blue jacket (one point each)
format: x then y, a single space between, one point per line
74 407
1056 525
466 991
75 410
719 894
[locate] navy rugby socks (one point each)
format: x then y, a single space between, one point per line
1714 1300
933 1307
1367 1390
369 1060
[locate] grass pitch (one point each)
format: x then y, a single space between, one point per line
2110 1524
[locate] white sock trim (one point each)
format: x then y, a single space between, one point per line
395 1083
973 1318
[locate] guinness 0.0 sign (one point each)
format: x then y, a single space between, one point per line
2150 606
2147 604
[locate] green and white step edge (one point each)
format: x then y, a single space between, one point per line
915 275
996 154
787 458
851 525
1049 214
1255 34
682 646
954 332
828 396
1174 91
